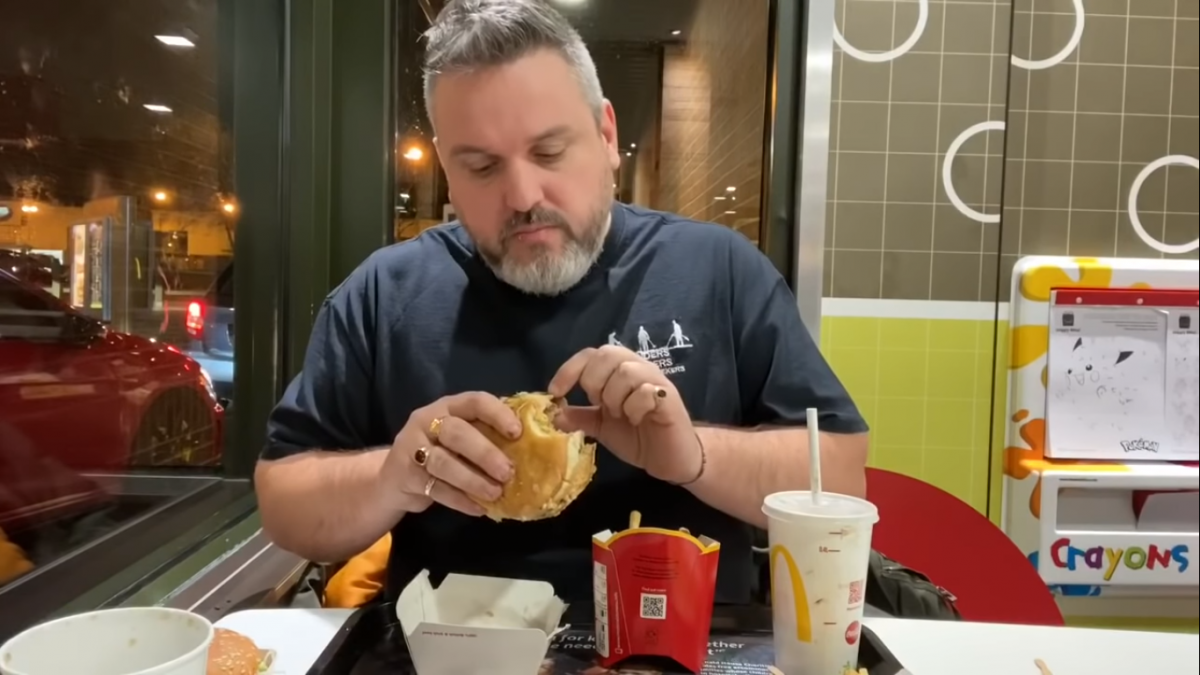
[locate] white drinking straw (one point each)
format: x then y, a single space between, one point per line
814 456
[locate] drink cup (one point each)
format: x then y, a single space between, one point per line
132 641
819 557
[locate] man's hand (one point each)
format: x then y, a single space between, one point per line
439 457
636 412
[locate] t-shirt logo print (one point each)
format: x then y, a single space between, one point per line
664 357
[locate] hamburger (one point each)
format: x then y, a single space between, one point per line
552 467
232 653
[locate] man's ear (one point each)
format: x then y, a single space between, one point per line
608 131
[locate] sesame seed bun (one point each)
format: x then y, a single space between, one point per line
233 654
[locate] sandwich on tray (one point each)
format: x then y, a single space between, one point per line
552 467
232 653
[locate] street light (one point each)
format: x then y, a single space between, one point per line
413 154
161 196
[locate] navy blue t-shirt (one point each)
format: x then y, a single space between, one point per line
426 318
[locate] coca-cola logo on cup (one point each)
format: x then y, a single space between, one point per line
852 632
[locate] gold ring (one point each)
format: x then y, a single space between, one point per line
421 456
429 486
435 427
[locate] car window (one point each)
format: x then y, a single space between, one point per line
222 292
17 298
26 314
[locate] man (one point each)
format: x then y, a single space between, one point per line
544 285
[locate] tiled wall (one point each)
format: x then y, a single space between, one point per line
1066 137
925 385
893 233
713 108
683 185
1042 126
1082 130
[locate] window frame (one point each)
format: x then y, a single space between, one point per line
783 113
780 148
254 101
307 87
49 590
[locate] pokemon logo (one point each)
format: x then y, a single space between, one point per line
1139 445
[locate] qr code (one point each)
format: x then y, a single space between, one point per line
654 606
856 593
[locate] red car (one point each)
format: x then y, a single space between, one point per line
76 397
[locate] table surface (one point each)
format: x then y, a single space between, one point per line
298 637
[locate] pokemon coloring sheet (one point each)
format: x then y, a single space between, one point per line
1105 382
1183 378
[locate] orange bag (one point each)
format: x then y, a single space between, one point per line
362 578
13 562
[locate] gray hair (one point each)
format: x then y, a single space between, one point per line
472 34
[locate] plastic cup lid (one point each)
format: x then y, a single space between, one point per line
799 504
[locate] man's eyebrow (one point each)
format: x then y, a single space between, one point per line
553 134
460 150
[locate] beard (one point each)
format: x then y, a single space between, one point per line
549 273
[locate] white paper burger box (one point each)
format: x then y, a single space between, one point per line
473 624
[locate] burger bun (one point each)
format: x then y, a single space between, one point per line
552 467
232 653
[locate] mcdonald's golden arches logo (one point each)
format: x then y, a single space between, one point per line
799 594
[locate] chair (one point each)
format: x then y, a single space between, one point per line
929 530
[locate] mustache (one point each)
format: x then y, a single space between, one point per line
539 217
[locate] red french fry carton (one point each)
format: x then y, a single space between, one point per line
654 593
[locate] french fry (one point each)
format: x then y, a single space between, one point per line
1043 669
635 520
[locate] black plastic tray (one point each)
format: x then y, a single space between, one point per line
371 642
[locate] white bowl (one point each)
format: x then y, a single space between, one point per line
133 641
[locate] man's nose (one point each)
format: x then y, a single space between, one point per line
524 190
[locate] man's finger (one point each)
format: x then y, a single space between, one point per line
458 436
569 373
580 418
447 467
481 407
600 370
451 497
641 403
624 381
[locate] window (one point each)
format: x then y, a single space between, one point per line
117 213
221 294
26 313
689 80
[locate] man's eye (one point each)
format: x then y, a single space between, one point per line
481 170
549 156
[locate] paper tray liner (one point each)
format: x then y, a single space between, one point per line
372 643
